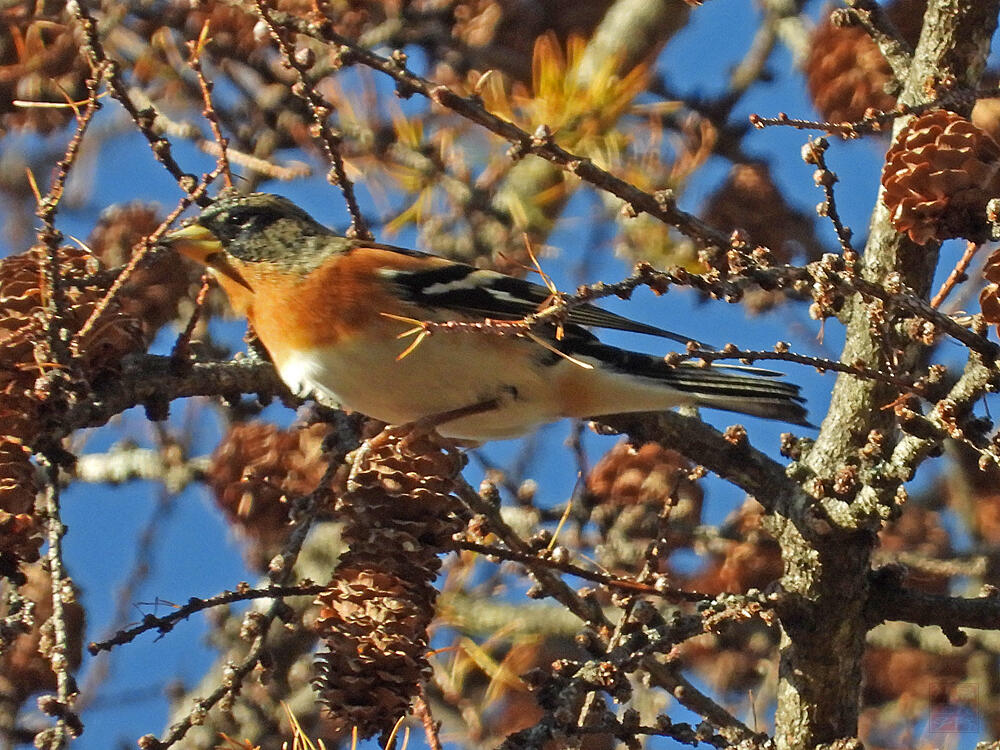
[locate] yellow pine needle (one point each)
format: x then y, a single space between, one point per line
395 731
420 330
300 740
234 743
546 345
420 324
203 39
549 284
83 245
411 332
496 671
597 565
559 526
546 279
25 104
412 347
477 88
33 184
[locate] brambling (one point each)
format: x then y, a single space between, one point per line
334 314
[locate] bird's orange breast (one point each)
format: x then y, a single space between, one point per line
291 311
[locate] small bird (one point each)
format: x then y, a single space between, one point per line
346 320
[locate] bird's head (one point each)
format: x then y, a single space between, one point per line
237 231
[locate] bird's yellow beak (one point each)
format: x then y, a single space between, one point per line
199 244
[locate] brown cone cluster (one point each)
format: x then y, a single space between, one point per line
631 491
23 361
40 61
938 177
650 474
744 557
749 200
919 531
256 470
911 674
989 298
375 614
156 287
845 72
501 34
24 669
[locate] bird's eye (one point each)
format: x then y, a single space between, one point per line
239 219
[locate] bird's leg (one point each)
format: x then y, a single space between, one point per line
415 430
431 422
412 431
425 425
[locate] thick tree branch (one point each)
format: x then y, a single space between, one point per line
947 612
153 382
827 567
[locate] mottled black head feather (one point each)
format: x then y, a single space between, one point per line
265 227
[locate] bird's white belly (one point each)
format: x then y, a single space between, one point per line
445 372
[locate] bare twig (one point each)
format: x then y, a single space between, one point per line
660 205
894 48
196 49
431 728
320 109
815 153
586 610
165 624
68 723
623 584
137 257
956 276
143 118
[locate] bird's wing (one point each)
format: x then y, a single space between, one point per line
488 294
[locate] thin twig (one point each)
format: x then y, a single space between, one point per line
182 346
197 48
660 205
896 51
165 624
588 611
432 728
147 245
320 110
530 560
49 237
957 274
143 118
815 153
68 724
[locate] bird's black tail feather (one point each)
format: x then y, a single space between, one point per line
742 389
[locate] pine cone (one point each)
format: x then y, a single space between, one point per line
747 557
989 298
502 33
375 615
631 490
652 474
938 176
845 71
154 290
20 531
255 470
24 671
41 59
750 201
23 363
911 673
